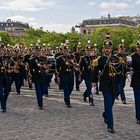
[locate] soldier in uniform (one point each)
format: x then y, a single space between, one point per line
44 59
18 70
7 85
121 80
78 77
26 61
135 81
2 80
65 69
109 65
86 70
38 69
59 54
94 55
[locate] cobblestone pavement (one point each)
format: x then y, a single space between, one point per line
23 120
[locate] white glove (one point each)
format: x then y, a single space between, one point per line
93 90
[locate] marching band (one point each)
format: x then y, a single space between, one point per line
108 71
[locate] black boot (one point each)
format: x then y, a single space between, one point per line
85 98
91 101
111 130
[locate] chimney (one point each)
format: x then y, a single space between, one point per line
109 16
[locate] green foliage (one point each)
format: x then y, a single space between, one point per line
5 38
117 34
98 36
129 35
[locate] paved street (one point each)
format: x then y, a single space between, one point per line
23 120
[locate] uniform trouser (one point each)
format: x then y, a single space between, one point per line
87 93
7 89
97 87
77 79
18 82
39 93
137 102
2 97
68 87
67 83
109 98
121 85
61 84
45 88
49 77
12 78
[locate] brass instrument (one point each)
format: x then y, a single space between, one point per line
16 67
4 66
27 67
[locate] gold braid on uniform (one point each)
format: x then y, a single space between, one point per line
113 66
94 62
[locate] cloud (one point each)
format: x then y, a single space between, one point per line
112 13
27 5
60 28
113 5
91 3
137 2
51 26
31 20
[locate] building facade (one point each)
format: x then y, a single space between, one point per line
14 29
90 25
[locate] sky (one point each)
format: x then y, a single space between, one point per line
61 15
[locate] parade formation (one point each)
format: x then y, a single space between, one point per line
104 71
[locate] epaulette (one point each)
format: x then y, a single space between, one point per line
94 63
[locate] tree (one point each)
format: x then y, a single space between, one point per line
117 34
5 38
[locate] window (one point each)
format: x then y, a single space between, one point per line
84 31
89 32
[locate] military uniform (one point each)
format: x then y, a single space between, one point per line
87 70
65 68
135 81
18 72
28 76
109 65
38 69
122 77
57 76
77 70
7 85
2 80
